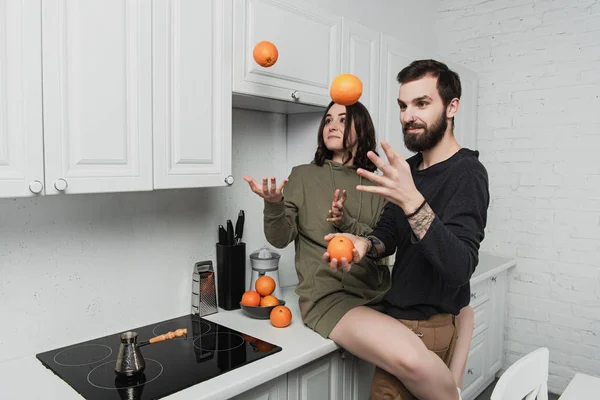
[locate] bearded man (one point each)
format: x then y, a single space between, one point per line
434 220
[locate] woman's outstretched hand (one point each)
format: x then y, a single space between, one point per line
361 246
337 206
271 194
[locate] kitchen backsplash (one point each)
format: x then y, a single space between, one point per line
76 267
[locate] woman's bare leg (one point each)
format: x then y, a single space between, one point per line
385 342
465 322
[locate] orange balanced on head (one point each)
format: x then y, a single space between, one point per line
280 317
265 54
340 246
251 299
346 89
265 285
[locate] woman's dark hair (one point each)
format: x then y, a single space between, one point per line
365 137
448 81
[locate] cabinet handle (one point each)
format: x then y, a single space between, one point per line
61 185
494 279
36 187
470 371
474 295
229 180
295 95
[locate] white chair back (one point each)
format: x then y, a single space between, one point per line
525 379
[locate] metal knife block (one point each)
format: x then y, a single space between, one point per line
204 289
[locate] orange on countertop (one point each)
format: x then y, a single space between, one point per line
281 316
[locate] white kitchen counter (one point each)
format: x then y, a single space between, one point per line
27 378
490 265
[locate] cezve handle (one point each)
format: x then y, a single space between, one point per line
169 335
166 336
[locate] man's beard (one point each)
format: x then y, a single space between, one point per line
427 139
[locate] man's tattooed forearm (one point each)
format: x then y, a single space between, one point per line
421 221
376 248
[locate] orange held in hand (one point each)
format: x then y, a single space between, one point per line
251 299
265 54
269 301
265 285
281 316
346 89
340 246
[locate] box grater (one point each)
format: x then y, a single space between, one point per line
204 289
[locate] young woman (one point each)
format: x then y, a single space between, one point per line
301 210
345 136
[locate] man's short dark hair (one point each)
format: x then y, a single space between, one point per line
448 81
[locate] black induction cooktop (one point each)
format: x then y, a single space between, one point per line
209 350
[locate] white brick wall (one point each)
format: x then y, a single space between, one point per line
539 134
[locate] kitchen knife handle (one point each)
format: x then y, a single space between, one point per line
230 233
222 235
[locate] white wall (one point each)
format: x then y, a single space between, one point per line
77 267
539 134
411 21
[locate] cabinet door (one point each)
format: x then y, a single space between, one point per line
360 56
395 55
362 378
192 92
317 380
496 331
275 389
475 374
21 152
97 77
308 42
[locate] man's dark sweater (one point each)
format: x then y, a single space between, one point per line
431 275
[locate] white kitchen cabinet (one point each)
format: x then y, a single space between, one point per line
275 389
318 380
21 137
486 355
360 56
395 55
308 43
192 93
97 95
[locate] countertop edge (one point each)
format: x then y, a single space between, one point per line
494 271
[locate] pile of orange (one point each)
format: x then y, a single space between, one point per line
280 316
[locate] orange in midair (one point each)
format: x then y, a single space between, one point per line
265 285
269 301
265 54
251 299
340 246
280 317
346 89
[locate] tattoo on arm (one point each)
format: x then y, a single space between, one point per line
376 247
421 221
